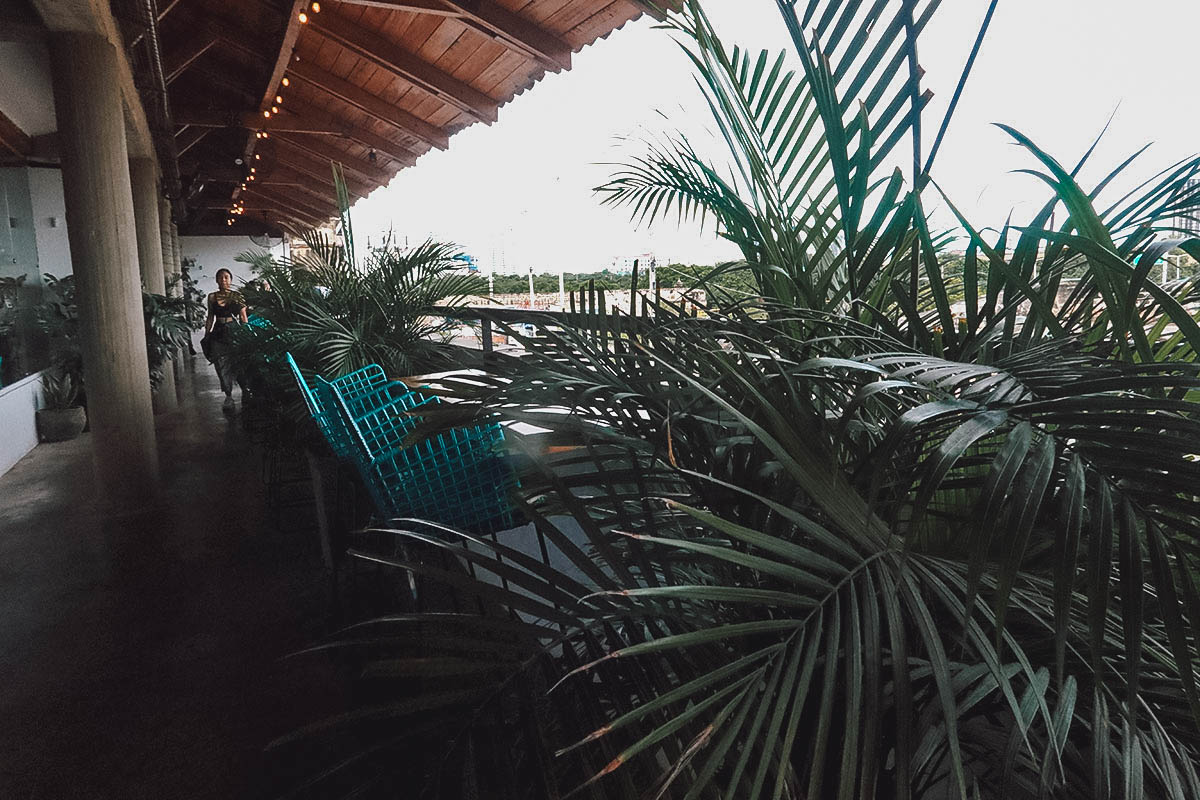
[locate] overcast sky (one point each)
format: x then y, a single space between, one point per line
520 191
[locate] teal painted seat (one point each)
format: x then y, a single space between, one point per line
458 477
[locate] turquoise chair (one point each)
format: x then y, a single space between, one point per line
458 477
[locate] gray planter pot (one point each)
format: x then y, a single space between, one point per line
60 424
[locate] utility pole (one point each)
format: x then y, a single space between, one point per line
531 285
562 293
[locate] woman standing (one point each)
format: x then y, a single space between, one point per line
225 308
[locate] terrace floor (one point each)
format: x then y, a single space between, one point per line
140 657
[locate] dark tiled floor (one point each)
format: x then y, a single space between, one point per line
139 658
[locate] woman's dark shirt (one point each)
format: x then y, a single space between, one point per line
226 304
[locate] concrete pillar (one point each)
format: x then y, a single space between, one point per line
143 176
104 256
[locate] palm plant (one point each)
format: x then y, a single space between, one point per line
337 309
844 542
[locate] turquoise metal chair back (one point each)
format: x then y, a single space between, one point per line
458 477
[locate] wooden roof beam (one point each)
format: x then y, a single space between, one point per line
252 204
290 200
182 57
515 32
318 169
291 32
188 138
372 104
330 153
436 7
395 59
496 22
296 118
397 151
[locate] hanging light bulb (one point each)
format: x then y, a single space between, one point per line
286 82
257 157
253 170
316 7
267 114
279 98
266 135
303 18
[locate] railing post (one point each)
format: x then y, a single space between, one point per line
486 334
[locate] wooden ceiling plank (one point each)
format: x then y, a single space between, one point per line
283 58
412 6
322 150
286 200
397 151
14 139
398 61
319 171
515 32
372 104
298 118
289 200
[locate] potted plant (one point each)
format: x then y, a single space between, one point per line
62 418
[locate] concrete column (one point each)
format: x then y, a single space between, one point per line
104 256
143 175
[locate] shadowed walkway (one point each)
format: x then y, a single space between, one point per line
140 657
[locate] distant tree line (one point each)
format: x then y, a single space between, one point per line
669 276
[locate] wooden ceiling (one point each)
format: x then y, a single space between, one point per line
372 84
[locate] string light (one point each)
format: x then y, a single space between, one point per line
278 98
316 7
303 18
257 157
266 135
267 114
274 109
253 170
286 81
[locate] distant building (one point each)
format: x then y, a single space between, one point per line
623 265
1189 218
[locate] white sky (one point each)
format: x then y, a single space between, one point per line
521 189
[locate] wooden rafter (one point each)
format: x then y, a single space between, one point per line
372 104
290 200
515 32
182 57
413 6
397 151
395 59
283 58
297 118
317 168
496 22
14 139
320 149
190 137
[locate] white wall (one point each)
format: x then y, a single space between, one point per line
214 252
17 406
26 96
50 221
